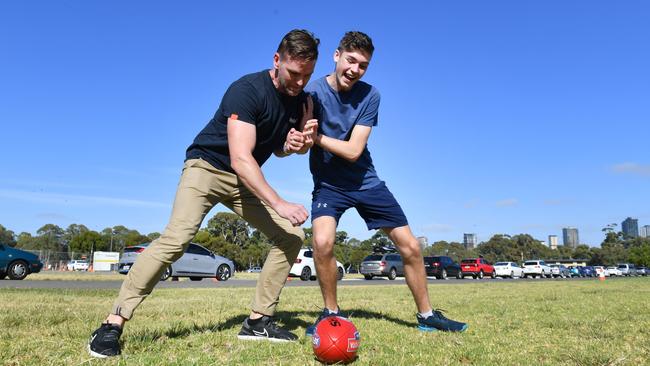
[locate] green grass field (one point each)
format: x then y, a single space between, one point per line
511 323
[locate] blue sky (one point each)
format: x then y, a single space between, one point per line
496 117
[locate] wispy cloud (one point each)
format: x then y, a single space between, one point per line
509 202
632 168
78 200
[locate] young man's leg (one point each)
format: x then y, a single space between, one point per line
324 235
196 194
287 241
416 277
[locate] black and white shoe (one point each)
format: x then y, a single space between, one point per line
438 321
264 329
105 341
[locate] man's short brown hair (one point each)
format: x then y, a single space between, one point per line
299 44
356 41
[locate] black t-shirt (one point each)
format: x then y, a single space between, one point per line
255 100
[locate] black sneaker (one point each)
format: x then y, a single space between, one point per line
265 329
324 314
105 341
437 321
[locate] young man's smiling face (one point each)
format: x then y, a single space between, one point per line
292 75
350 67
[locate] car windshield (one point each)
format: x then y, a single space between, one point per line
374 257
530 263
501 263
131 249
469 261
622 266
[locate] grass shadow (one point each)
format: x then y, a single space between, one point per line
290 320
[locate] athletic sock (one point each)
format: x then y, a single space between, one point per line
426 315
333 312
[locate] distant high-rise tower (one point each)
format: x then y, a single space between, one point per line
630 227
424 242
645 231
470 241
552 241
570 236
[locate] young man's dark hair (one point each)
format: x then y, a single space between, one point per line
299 44
356 41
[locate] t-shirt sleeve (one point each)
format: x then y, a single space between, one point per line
370 115
241 102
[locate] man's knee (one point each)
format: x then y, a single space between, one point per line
411 251
323 246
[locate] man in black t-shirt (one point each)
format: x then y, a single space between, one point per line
260 114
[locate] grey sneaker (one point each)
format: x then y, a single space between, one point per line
105 341
265 329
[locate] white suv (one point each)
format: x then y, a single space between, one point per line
304 266
77 265
536 268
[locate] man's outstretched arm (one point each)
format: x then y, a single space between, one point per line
241 142
349 150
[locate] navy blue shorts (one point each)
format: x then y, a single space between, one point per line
376 205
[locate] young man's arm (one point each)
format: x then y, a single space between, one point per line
349 150
242 138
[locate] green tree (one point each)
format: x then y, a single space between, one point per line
153 236
7 237
86 242
640 254
229 227
51 237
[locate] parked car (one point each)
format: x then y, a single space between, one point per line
626 269
196 263
590 271
575 271
382 265
536 268
560 270
78 265
614 271
477 268
601 269
441 267
641 271
17 264
254 270
508 269
305 268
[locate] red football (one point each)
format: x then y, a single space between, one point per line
336 339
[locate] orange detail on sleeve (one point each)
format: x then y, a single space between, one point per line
234 116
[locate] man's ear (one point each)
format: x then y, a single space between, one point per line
276 61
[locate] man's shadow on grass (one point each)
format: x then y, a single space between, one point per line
289 319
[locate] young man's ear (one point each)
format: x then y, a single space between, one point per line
337 55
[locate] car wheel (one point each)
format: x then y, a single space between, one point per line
305 274
196 278
493 275
480 275
166 274
392 274
512 274
443 274
223 272
459 275
367 277
340 273
17 270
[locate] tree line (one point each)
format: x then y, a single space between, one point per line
229 235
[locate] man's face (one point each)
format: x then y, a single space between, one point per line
350 67
292 75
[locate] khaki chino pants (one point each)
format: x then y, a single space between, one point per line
202 187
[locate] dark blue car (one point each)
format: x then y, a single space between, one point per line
17 264
589 271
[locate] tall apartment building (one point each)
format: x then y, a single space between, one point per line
570 237
645 231
552 241
470 241
630 227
